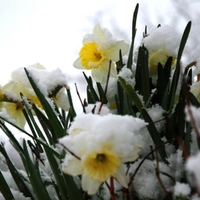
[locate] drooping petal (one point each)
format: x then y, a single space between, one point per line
90 185
120 176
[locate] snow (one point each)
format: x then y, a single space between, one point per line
13 187
94 108
127 75
182 189
146 183
47 80
192 170
164 37
176 164
193 116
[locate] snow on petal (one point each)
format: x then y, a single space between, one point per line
90 185
161 43
107 141
72 165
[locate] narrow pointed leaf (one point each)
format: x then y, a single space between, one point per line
155 135
58 129
131 92
177 69
142 74
4 188
15 174
130 56
91 88
35 177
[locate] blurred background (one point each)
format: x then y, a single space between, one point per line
51 32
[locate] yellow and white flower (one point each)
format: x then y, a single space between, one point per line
161 43
99 146
97 51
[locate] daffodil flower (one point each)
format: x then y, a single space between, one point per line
99 145
161 43
99 48
15 113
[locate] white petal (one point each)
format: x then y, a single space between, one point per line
113 51
133 155
97 31
120 176
90 185
72 166
98 75
77 64
62 99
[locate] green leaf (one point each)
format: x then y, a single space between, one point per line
35 177
101 93
67 187
120 62
16 144
166 97
4 188
131 93
177 69
72 110
193 100
130 56
92 93
58 129
142 74
187 139
163 78
15 174
155 135
45 125
12 138
119 98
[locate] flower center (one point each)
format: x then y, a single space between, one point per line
101 158
90 56
100 166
